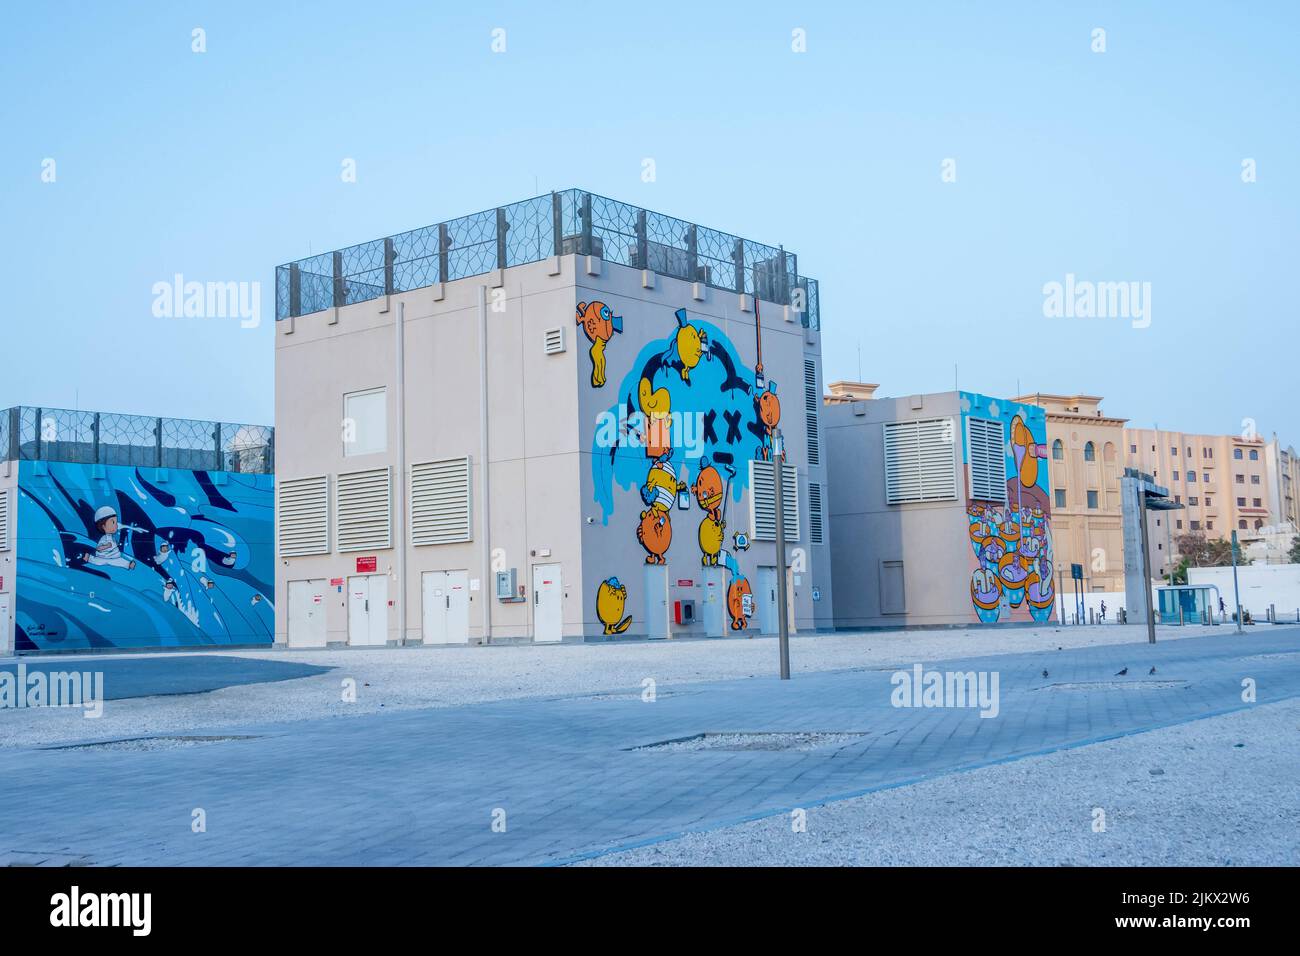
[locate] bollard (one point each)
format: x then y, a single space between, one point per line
1272 614
1180 615
1092 616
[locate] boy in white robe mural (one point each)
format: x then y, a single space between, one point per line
108 551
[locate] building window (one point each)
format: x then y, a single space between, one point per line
1254 454
1060 497
365 422
1192 500
1205 477
1209 526
1209 503
1092 499
1090 452
1132 449
1207 452
1255 502
1239 479
1173 451
1191 476
1178 499
1058 450
1254 479
1196 525
1175 476
1241 502
986 448
1242 524
1236 453
1189 451
919 461
1258 524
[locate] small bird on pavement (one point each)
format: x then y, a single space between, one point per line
1150 672
1044 672
1122 673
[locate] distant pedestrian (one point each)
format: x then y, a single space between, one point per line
1222 607
1103 611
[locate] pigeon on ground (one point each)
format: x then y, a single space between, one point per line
1122 673
1044 672
1150 672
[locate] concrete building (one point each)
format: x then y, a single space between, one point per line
1282 474
123 531
550 421
1087 462
941 509
1221 480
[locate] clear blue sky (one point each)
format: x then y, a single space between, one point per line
1116 166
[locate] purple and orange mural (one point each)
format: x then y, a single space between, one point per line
1013 564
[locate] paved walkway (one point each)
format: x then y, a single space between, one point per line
128 676
420 787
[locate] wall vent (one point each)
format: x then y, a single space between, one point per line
363 510
302 516
440 502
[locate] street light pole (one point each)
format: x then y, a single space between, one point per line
782 599
1236 593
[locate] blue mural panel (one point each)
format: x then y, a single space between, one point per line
119 556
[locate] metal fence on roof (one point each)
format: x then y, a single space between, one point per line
31 433
559 223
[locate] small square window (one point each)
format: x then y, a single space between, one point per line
1254 479
365 422
1060 497
1193 500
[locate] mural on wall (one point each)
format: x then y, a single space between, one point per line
601 324
688 415
1013 572
118 556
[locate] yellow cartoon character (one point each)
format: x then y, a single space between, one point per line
600 323
656 404
1026 451
711 532
611 599
690 345
661 484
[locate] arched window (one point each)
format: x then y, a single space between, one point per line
1108 453
1058 450
1242 524
1090 452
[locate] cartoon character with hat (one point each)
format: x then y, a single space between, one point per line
108 551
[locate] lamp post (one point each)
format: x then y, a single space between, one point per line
782 600
1236 593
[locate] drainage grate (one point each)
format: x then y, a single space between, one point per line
161 742
792 741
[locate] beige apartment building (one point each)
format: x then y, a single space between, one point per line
1222 481
1087 460
1282 472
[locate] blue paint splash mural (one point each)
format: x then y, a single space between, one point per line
687 418
118 556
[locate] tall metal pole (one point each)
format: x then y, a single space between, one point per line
1146 566
782 599
400 497
1236 593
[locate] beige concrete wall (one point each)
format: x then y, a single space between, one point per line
533 435
930 538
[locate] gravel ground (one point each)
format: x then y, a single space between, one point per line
1224 791
403 678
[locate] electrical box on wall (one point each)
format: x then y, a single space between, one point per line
507 586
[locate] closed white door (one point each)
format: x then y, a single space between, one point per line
656 601
445 601
714 611
307 613
766 598
6 629
368 610
548 617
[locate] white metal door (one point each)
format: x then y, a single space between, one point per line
307 613
6 629
766 599
458 607
656 601
548 619
714 612
368 610
445 597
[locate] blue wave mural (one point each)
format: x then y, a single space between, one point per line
118 556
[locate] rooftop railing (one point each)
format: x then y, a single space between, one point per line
560 223
28 433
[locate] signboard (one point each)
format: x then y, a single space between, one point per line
1076 572
367 565
336 582
685 583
